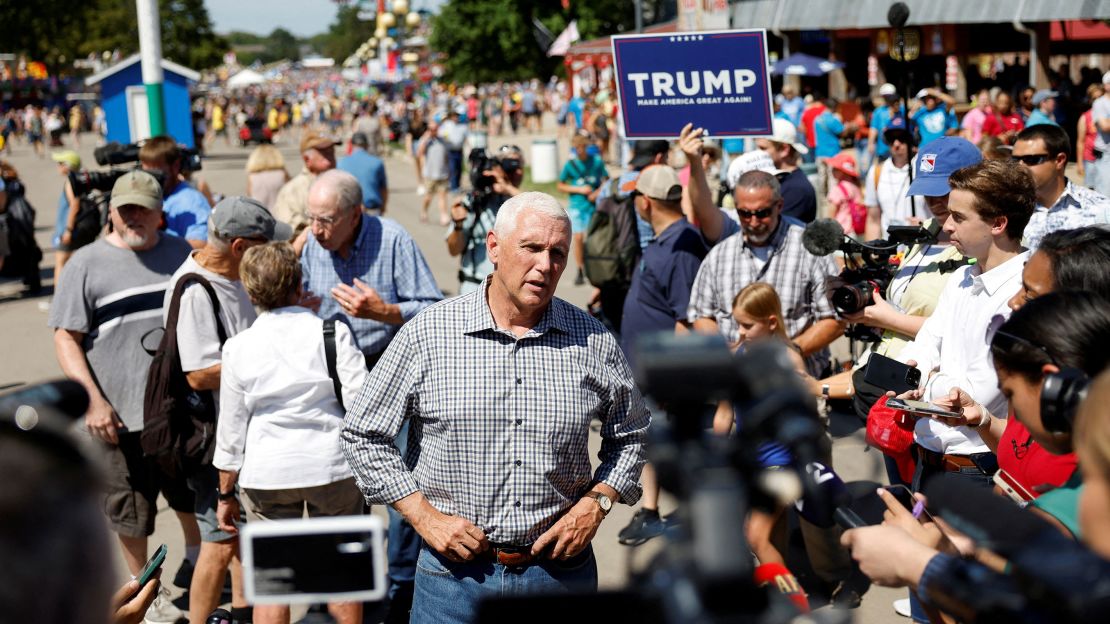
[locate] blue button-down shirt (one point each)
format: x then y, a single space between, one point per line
386 259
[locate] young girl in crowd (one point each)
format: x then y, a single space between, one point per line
758 312
581 178
845 198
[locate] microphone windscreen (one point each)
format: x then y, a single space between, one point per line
822 237
898 14
830 492
776 575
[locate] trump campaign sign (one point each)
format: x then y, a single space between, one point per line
716 80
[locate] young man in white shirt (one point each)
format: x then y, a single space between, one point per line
886 185
989 207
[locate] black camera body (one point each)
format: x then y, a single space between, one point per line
115 154
481 162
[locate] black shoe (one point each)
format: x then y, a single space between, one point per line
184 576
580 279
645 525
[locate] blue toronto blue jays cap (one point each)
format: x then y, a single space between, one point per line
937 160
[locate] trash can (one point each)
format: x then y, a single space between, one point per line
545 161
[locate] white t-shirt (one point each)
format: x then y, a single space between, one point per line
890 195
198 342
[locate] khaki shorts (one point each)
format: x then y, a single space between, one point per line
435 186
341 498
133 483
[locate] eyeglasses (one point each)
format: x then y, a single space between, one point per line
762 213
1031 159
325 222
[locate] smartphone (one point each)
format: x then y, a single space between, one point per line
1012 488
905 496
890 374
920 407
305 561
152 566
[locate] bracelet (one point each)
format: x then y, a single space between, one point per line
985 419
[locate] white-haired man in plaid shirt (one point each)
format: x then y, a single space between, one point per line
500 386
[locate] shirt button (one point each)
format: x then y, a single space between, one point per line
518 421
519 381
518 462
516 504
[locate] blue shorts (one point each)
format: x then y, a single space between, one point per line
579 218
204 483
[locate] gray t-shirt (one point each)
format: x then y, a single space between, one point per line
114 296
435 160
1101 110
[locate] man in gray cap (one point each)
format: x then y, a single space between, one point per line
236 224
1044 108
109 296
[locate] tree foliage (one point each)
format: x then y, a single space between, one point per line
345 34
488 40
59 31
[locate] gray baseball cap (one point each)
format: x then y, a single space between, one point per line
243 217
137 188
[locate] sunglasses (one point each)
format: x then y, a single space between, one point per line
1031 159
762 213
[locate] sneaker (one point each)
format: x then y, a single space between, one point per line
844 596
184 576
420 189
581 279
902 607
162 611
645 525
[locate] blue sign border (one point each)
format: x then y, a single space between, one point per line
764 72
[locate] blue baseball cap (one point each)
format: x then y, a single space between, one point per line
937 160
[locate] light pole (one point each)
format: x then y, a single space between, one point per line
150 47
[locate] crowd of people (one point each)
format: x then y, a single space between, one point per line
339 376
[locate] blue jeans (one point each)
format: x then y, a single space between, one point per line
455 167
449 592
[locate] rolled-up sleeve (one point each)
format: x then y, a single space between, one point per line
703 294
231 428
387 398
624 428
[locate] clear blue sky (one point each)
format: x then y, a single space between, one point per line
300 17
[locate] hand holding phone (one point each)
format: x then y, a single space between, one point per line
890 374
152 567
922 408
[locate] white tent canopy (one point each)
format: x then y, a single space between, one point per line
245 78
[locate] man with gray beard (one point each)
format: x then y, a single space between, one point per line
109 296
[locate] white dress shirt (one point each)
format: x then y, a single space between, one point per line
956 340
279 419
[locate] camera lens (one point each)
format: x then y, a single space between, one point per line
852 298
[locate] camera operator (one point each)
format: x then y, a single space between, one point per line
185 209
912 294
473 216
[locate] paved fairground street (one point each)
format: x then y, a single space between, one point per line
491 269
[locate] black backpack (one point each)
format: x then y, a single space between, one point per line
612 242
179 423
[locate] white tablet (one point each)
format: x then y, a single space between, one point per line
314 560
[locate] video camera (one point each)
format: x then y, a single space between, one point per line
867 265
480 162
114 154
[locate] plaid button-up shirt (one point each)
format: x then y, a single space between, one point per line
1078 206
798 277
498 425
385 258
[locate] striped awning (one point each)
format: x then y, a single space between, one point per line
845 14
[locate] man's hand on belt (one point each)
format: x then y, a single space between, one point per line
573 532
456 538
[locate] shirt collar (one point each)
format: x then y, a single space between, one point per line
480 318
671 231
997 277
777 237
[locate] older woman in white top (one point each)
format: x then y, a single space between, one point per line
280 419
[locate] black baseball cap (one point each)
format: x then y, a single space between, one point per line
644 152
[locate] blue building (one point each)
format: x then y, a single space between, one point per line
123 97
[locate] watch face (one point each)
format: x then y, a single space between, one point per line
605 502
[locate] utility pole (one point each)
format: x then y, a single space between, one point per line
150 47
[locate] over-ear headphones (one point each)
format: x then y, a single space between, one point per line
1061 394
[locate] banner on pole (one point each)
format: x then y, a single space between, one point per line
716 80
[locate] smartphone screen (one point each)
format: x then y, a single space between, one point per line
920 407
152 565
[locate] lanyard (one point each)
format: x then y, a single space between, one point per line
774 252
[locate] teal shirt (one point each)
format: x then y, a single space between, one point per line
1037 118
578 173
1062 503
